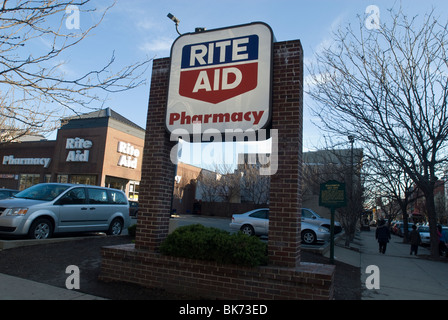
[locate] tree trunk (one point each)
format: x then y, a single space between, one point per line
432 219
405 225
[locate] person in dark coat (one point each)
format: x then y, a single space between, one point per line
382 234
414 239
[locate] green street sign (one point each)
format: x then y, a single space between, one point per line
332 194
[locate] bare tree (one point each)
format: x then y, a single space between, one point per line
254 187
228 183
33 89
389 88
385 179
208 185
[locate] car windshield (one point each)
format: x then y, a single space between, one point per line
47 192
307 213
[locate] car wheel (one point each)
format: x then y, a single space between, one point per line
308 237
41 228
248 229
115 227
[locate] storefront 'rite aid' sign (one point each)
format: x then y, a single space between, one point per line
129 155
79 149
221 79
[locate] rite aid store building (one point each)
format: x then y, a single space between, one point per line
99 148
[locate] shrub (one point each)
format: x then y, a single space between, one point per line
205 243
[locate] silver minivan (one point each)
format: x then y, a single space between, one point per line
47 208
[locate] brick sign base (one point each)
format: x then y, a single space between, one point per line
285 277
209 280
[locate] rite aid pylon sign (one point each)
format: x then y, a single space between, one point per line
221 79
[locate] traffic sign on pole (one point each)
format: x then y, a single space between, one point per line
332 195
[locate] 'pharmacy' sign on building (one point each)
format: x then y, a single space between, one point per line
221 79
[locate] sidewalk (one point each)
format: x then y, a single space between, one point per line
13 288
402 276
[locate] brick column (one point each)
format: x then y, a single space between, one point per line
156 186
285 193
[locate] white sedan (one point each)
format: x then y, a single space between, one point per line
256 222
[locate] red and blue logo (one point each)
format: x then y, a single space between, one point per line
216 71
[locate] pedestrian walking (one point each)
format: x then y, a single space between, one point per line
382 234
414 239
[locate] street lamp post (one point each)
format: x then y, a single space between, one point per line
176 21
351 139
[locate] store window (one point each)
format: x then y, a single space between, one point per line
134 187
83 179
116 183
28 180
62 178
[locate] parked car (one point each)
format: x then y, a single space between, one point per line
400 231
133 208
312 217
7 193
425 236
396 226
256 222
48 208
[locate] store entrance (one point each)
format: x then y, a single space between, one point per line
116 183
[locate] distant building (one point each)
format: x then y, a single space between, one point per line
99 148
185 193
333 164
